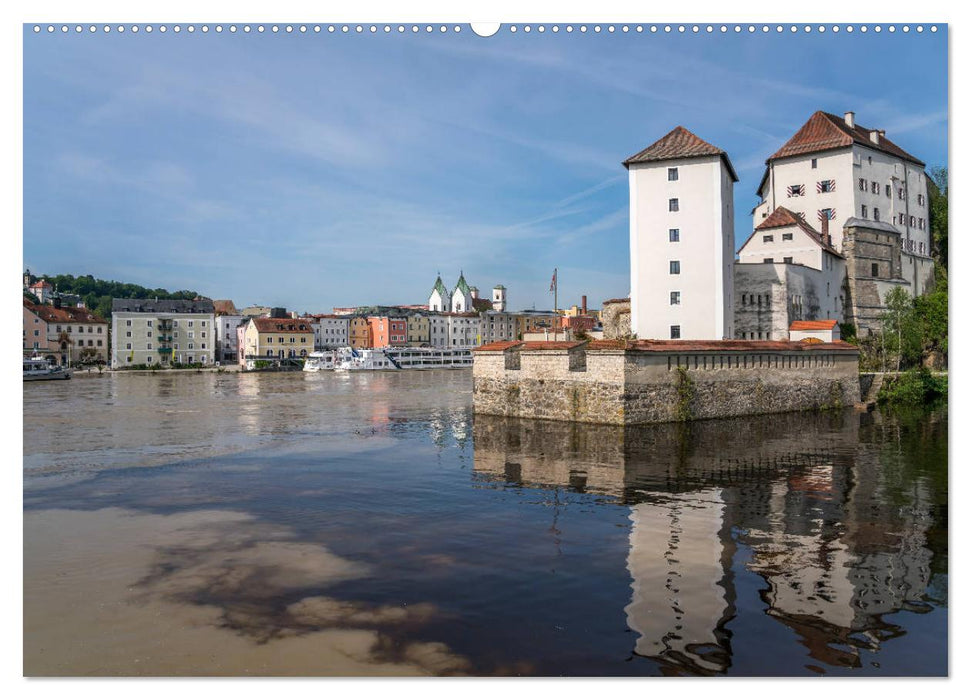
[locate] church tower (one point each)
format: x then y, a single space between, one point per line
462 296
499 298
682 239
438 300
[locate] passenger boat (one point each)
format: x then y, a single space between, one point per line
37 368
321 360
391 358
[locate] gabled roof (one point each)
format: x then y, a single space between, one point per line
679 143
783 218
481 304
462 285
440 287
65 314
287 325
43 284
224 307
824 325
824 132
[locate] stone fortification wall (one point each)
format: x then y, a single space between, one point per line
653 382
615 316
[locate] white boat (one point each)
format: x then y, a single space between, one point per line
37 368
321 360
365 359
430 358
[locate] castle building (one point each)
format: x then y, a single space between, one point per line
869 198
682 239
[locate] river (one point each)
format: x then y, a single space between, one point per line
367 524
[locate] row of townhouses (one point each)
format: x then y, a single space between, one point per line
842 217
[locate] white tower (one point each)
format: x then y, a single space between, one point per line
438 300
682 239
462 296
499 298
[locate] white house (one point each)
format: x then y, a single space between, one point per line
833 168
226 342
499 298
464 330
438 330
330 331
682 239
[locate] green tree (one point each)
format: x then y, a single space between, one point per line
937 190
902 336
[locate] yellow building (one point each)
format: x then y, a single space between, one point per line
276 339
419 331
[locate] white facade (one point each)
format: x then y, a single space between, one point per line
331 331
682 243
161 333
855 181
438 330
226 342
461 299
464 330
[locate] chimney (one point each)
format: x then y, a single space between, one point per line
826 236
583 301
850 119
875 136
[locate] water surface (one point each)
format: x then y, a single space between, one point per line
365 524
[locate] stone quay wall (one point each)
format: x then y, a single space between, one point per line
661 381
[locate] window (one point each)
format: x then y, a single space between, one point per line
863 211
826 186
675 298
673 204
889 191
148 359
862 184
203 346
795 190
202 323
767 238
191 346
920 224
190 323
874 270
269 340
149 323
148 334
787 236
876 213
920 199
826 214
127 346
768 260
912 221
787 260
99 342
672 174
36 332
128 334
875 187
674 267
675 332
900 192
674 235
148 346
813 163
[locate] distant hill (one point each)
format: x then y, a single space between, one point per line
97 294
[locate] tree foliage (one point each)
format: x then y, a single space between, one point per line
937 216
97 294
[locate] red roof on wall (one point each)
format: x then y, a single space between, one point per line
824 325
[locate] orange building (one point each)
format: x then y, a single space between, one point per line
359 332
388 331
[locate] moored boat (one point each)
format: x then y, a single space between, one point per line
37 368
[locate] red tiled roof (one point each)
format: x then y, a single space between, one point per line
224 307
679 143
287 325
65 314
499 345
714 345
782 218
41 285
552 344
824 325
824 132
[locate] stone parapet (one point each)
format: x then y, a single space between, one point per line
634 382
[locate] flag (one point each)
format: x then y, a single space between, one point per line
553 283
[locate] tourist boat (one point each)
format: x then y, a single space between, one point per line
322 360
352 360
37 368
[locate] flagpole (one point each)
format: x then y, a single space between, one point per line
556 286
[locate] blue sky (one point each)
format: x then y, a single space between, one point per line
319 170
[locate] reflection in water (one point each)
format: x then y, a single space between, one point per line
790 498
364 523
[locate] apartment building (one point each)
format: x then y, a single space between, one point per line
69 335
280 338
167 331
